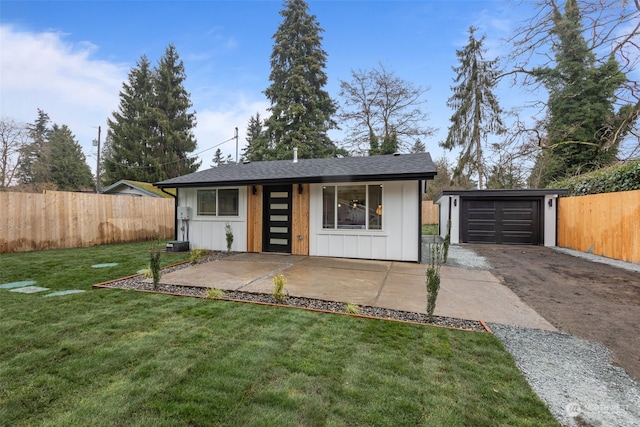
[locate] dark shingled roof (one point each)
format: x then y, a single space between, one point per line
402 167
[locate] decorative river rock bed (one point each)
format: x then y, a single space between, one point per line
139 283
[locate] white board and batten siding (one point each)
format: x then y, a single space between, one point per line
206 231
396 241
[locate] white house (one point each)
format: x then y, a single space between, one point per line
352 207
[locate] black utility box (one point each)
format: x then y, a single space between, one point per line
177 246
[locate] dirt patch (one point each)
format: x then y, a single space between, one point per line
591 300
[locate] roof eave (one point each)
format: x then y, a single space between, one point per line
302 180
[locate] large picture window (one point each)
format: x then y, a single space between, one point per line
221 202
352 207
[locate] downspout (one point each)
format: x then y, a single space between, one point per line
449 217
420 219
175 212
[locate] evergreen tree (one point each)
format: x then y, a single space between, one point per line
257 148
219 160
581 114
389 144
132 129
374 144
174 138
66 164
30 169
152 133
301 109
476 109
418 147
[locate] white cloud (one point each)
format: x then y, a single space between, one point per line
65 79
75 87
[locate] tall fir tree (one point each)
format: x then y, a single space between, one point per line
30 169
476 109
132 129
583 130
151 134
257 148
301 110
174 139
65 161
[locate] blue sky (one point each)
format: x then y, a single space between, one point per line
71 58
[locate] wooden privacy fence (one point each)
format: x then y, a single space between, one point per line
429 212
603 224
56 219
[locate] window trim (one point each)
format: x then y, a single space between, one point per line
336 227
217 201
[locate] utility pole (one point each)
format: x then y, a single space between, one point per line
98 164
236 137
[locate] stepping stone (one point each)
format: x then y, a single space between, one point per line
105 265
29 290
18 284
68 292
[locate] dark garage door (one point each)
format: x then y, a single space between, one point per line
511 222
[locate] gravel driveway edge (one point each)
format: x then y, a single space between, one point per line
574 377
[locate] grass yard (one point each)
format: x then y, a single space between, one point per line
113 357
430 229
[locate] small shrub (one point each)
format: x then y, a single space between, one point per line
447 243
433 277
229 236
154 266
278 287
146 273
155 254
215 293
352 308
196 255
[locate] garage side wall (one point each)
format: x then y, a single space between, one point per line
396 241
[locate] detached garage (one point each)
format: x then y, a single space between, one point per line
511 217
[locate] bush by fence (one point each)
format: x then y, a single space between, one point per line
56 219
604 224
625 177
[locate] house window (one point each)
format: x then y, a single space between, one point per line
206 202
352 207
222 202
228 202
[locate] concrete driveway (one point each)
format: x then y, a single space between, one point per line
465 293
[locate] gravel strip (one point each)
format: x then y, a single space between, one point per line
597 258
574 377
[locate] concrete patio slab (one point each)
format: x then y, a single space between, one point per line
223 274
464 293
327 283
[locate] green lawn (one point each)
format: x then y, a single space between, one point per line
430 229
112 357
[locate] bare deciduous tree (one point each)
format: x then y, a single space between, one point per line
377 105
13 137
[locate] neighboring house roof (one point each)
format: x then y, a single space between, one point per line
144 188
395 167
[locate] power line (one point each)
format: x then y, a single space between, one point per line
195 156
